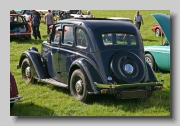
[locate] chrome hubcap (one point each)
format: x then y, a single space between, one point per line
79 86
28 72
149 61
128 68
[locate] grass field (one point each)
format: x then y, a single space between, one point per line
47 100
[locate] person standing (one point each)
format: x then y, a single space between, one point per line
138 20
12 12
35 23
89 14
49 20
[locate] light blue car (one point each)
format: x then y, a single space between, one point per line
159 56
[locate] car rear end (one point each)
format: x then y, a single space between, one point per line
14 97
19 27
121 61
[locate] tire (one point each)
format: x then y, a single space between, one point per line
150 60
127 67
28 38
157 32
11 105
78 86
26 72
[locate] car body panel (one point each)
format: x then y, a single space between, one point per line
14 94
164 22
156 26
161 54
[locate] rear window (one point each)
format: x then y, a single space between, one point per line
118 39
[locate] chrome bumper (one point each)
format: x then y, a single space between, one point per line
16 99
114 86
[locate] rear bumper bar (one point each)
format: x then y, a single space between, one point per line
16 99
115 86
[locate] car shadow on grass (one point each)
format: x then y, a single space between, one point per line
29 109
53 87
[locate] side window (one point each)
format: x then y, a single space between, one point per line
81 39
68 35
57 35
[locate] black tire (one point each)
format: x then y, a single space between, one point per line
28 38
11 105
127 67
157 32
26 72
78 86
150 60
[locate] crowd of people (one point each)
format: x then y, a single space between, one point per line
35 19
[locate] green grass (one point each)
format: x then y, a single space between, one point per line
47 100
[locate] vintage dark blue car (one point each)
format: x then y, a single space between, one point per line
92 56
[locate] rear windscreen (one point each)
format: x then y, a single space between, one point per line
118 39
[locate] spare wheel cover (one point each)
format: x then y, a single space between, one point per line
127 67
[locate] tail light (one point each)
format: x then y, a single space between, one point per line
158 87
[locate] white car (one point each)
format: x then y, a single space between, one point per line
27 15
121 19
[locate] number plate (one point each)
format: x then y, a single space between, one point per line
133 94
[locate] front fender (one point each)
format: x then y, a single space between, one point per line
90 71
36 64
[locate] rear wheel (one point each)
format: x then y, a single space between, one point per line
150 60
28 38
157 32
26 71
78 86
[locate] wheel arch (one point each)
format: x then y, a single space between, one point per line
89 70
35 63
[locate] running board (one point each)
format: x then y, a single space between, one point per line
54 82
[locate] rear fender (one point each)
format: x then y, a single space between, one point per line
90 71
38 70
151 74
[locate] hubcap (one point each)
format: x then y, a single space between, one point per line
128 68
28 72
149 61
79 86
157 32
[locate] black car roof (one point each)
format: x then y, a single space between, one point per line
95 23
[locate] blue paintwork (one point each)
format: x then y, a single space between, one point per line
61 60
161 54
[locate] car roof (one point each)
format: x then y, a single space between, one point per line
102 24
88 20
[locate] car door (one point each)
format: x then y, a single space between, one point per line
53 53
67 51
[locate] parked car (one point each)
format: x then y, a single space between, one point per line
56 14
13 91
18 11
27 15
159 56
19 27
157 30
121 19
80 57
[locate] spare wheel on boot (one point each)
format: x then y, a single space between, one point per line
127 67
